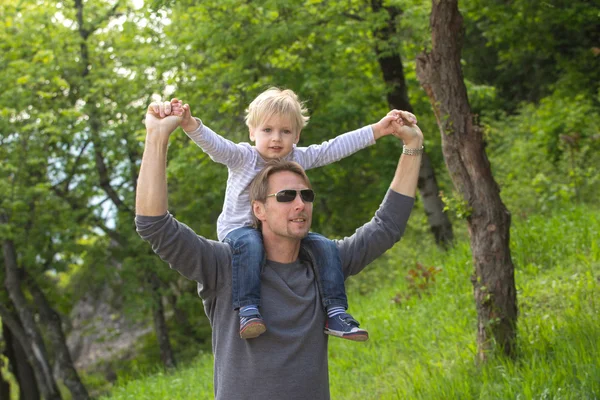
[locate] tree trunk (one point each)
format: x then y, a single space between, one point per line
38 356
53 323
391 66
4 388
160 324
4 385
21 369
440 75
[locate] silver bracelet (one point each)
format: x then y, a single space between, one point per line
412 152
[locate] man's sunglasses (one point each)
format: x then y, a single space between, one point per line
288 195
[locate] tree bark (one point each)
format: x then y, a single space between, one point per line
38 356
4 388
463 147
160 324
21 369
6 352
391 66
63 360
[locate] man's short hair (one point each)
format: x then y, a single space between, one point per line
275 101
259 188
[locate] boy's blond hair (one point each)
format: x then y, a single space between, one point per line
275 101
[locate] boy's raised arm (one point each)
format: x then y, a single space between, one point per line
349 143
219 149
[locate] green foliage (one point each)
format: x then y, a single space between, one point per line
456 204
524 47
545 156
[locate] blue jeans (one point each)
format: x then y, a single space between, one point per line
249 258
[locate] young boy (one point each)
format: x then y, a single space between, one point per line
275 119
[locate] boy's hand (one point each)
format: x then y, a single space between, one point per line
392 122
188 123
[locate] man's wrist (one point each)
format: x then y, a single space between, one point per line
155 139
413 143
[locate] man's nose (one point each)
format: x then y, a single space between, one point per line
298 202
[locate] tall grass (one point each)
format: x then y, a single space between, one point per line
422 344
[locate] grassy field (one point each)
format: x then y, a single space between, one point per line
422 342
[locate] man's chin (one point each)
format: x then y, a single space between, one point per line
299 234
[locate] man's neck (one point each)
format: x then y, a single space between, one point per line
281 250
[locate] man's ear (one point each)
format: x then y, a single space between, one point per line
259 210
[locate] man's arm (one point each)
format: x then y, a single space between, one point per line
387 226
199 259
344 145
407 173
151 195
173 241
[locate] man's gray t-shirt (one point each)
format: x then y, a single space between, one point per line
289 361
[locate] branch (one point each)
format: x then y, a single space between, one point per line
67 181
103 170
110 13
353 16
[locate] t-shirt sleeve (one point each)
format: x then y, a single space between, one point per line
202 260
376 236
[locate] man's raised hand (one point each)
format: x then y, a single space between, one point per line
392 122
162 119
406 129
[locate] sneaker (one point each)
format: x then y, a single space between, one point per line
346 327
253 325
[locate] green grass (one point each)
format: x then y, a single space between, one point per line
424 347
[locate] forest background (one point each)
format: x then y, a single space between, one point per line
80 285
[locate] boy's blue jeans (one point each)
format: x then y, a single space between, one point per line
249 257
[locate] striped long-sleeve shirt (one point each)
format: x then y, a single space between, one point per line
244 162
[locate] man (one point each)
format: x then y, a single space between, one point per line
289 361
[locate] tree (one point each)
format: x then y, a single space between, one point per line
464 151
75 78
390 61
17 359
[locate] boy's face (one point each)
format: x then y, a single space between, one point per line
274 137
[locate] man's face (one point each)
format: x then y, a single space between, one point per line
286 220
274 137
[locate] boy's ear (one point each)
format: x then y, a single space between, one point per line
252 137
297 137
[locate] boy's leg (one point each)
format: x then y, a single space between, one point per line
330 278
247 259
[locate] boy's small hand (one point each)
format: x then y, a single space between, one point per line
392 123
188 123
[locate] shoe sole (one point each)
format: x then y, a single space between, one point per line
356 337
252 330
